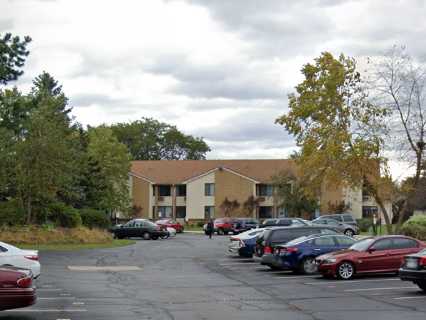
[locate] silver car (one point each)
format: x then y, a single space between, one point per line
347 229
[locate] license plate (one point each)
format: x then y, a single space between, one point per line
412 264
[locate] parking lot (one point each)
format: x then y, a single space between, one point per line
192 277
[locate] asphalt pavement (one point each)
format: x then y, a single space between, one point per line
192 277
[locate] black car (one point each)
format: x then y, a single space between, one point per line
414 269
244 224
266 241
139 228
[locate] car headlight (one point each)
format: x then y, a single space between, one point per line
329 260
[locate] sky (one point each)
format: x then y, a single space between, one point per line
218 69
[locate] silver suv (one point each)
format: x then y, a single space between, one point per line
342 218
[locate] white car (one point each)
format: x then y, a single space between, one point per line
172 232
13 256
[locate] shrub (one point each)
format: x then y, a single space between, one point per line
200 224
35 235
415 227
364 224
64 216
11 213
92 218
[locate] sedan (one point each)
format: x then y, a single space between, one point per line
169 223
414 269
244 244
371 255
347 229
16 288
140 228
13 256
299 254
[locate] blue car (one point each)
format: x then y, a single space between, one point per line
299 254
244 244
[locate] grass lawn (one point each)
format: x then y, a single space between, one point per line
69 247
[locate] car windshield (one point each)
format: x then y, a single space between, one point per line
362 245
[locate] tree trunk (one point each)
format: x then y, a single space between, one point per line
405 208
379 201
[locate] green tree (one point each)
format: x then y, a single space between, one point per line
149 139
13 52
291 195
337 128
110 166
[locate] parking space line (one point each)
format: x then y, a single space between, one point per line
408 298
55 298
47 310
377 289
349 282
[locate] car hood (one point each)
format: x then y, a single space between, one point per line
339 254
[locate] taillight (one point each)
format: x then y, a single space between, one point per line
267 250
32 257
422 262
25 282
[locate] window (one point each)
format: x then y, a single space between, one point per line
344 241
181 190
130 224
209 189
264 190
208 212
2 249
348 218
324 242
265 212
164 191
369 211
384 244
164 212
181 212
403 243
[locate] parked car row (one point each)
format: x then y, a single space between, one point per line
146 229
343 223
18 268
322 249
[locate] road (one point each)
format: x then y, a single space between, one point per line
192 277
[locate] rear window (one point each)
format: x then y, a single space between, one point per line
348 218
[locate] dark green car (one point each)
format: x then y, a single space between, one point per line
139 228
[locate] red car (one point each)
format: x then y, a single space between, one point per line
169 223
370 255
16 288
223 225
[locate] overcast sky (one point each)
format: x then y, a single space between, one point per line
217 69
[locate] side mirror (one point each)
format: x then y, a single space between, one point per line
371 250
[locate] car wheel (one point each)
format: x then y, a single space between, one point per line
308 266
165 236
422 285
345 271
146 236
220 231
154 237
349 232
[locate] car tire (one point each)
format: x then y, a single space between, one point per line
345 270
308 266
349 232
422 285
220 232
154 238
146 236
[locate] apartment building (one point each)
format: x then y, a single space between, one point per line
195 189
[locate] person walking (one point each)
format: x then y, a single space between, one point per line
210 228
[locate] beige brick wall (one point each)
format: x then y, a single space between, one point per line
140 196
234 187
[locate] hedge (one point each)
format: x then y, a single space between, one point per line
92 218
415 227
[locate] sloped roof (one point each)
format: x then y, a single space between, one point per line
178 171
